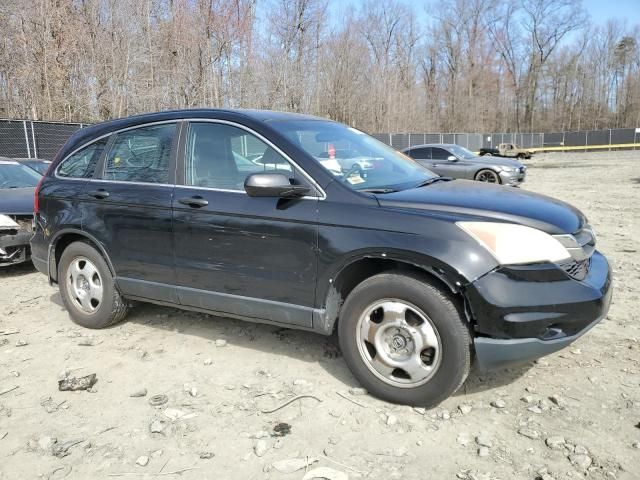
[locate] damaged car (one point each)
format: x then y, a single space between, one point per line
17 186
418 275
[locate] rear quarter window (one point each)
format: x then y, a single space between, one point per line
82 164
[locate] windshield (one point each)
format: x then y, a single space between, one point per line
462 152
353 157
14 175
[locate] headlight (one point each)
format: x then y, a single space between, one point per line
514 244
508 169
7 222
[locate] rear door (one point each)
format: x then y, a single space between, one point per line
127 208
246 256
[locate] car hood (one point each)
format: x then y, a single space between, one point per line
492 202
16 201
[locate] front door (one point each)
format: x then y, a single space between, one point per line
127 208
444 166
238 255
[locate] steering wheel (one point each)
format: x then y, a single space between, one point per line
355 168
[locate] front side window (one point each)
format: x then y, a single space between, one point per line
371 165
462 152
222 156
82 164
141 155
440 153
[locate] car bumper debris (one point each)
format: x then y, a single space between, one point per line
15 233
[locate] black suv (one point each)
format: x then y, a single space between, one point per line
246 214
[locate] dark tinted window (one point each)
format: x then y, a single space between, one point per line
221 156
439 153
420 153
83 163
141 155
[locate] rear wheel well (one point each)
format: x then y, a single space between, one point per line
355 273
63 242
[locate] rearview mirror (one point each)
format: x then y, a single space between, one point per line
452 158
273 185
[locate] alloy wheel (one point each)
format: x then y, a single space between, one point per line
85 285
398 343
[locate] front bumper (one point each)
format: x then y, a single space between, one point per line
512 178
526 312
14 247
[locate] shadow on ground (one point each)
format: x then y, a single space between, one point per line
300 345
17 270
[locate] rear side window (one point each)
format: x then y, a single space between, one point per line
83 163
420 153
141 155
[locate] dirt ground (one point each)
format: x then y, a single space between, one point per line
567 416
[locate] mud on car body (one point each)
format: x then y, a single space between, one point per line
17 184
417 274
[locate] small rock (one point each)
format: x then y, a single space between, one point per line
527 399
483 452
555 443
484 440
46 443
529 433
463 439
580 460
392 420
580 450
72 384
558 400
139 393
420 410
325 473
22 343
156 453
157 426
535 409
445 415
260 448
143 461
358 391
465 409
208 361
635 444
499 403
207 455
221 343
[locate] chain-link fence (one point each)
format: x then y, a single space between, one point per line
26 138
586 139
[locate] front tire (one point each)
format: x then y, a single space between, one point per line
88 289
405 340
488 176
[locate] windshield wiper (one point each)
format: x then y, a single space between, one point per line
378 190
429 181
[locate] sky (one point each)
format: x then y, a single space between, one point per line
599 10
603 10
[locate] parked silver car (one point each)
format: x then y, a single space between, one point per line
458 162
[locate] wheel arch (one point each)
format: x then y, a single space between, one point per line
357 269
62 239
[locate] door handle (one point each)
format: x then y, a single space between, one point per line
195 202
100 193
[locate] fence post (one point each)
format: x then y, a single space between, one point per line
610 140
33 137
26 138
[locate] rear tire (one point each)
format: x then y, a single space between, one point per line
405 340
88 289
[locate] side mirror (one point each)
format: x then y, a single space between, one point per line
273 185
452 158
